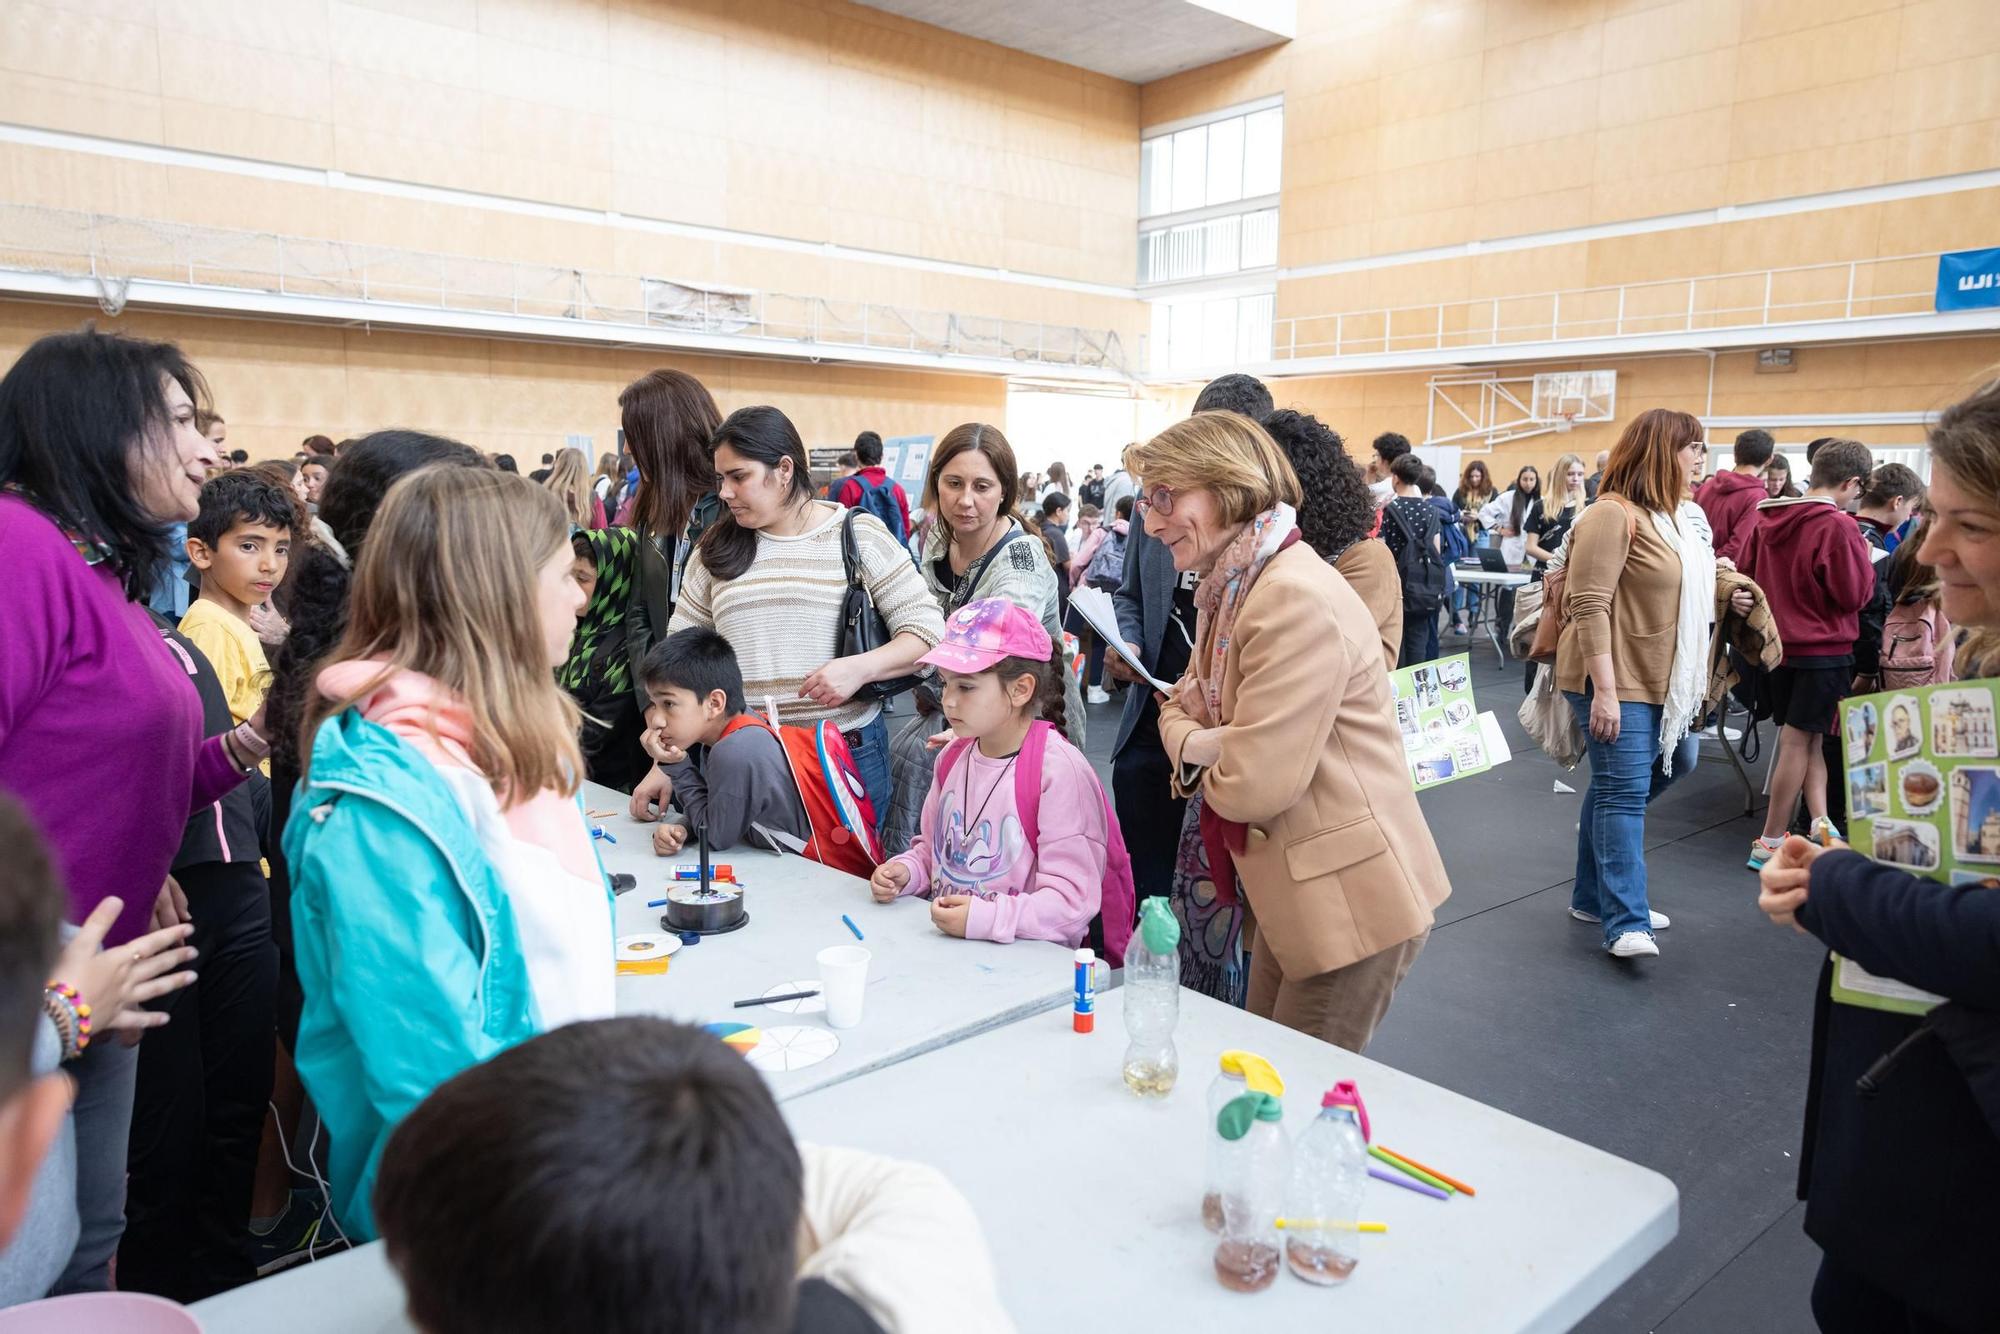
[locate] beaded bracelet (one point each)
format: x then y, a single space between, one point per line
64 1019
79 1011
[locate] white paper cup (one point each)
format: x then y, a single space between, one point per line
843 983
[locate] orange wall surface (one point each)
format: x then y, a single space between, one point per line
277 383
809 120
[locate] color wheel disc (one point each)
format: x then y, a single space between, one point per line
742 1037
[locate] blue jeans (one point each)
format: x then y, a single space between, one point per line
1611 838
870 744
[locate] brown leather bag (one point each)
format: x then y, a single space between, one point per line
1555 614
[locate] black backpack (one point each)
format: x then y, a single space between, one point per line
1419 564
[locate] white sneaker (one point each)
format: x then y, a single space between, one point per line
1660 921
1634 945
1097 695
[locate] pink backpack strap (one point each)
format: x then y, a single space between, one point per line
949 760
1028 782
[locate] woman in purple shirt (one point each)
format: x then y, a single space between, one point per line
99 455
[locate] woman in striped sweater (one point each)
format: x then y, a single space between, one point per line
768 577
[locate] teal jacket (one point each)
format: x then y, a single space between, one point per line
408 950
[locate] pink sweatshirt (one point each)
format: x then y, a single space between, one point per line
971 842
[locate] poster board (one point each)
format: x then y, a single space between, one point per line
907 459
1444 737
1923 793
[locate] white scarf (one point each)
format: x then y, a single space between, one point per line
1687 533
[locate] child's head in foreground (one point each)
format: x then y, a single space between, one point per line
624 1176
694 687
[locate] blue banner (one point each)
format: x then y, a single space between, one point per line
1968 279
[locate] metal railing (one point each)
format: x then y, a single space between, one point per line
1808 293
115 251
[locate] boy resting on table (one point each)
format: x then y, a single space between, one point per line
633 1176
742 778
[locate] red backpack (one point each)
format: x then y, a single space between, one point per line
1916 646
839 815
1111 929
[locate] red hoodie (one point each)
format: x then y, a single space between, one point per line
1730 501
1813 565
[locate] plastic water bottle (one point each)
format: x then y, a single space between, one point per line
1323 1199
1255 1162
1152 993
1240 1072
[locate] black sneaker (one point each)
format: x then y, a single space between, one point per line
295 1236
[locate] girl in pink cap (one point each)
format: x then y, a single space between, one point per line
1017 841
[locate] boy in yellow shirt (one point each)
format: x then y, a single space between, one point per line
241 542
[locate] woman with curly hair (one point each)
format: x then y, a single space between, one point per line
1338 516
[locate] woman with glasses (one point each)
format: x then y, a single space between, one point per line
1632 660
1284 728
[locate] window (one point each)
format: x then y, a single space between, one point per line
1208 210
1233 157
1211 333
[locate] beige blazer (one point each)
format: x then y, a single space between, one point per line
1338 863
1371 571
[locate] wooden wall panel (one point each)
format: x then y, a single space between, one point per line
812 119
277 383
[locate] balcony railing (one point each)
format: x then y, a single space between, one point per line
1805 294
116 251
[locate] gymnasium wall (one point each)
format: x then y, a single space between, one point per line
782 121
1436 123
276 383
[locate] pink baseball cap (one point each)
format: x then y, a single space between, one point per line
981 633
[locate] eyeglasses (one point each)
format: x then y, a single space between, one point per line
1160 499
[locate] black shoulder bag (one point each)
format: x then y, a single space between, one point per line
862 629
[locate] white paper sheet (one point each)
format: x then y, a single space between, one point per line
1094 605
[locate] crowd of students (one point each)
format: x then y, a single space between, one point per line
332 840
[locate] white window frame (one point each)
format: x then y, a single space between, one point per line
1155 228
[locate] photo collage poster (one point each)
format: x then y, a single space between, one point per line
1443 737
1923 794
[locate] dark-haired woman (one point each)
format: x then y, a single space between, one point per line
99 454
770 578
669 419
980 548
1335 518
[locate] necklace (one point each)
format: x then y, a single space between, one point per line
974 568
965 789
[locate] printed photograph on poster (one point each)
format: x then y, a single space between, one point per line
1458 713
1436 729
1906 727
1426 682
1406 715
1961 723
1453 675
1434 769
1921 787
1867 791
1974 880
1975 815
1862 722
1907 844
1469 753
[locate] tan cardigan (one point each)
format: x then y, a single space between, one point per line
1622 597
1371 571
1338 863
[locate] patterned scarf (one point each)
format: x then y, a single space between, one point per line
1205 896
597 662
1218 599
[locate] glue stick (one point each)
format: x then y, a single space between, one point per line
1083 1018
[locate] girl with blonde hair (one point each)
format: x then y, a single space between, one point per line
569 479
447 901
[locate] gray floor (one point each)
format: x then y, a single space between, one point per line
1693 1063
